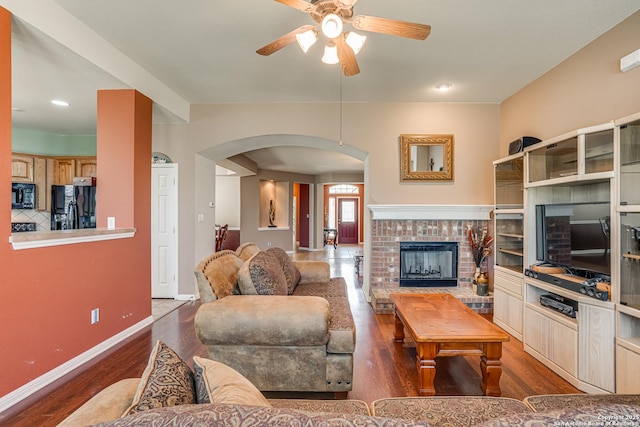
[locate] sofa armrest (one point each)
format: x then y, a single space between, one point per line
270 320
109 404
313 271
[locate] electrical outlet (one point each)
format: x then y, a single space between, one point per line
269 243
95 316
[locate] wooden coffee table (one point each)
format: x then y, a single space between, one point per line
441 325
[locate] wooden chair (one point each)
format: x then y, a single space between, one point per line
221 236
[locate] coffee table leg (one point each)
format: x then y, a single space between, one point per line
399 333
491 367
426 364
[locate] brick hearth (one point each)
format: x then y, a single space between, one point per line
424 223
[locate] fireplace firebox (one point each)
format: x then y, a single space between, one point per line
428 264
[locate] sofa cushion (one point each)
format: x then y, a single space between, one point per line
613 415
335 287
550 402
109 404
247 250
222 415
166 381
262 275
313 271
218 383
253 320
342 329
222 274
291 273
454 411
347 406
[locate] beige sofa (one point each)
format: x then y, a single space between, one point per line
285 325
106 409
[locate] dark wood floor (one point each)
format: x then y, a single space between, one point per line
382 367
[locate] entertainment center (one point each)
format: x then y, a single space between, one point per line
567 253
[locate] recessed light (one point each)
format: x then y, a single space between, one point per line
443 87
60 103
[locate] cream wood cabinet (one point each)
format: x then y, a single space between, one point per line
627 362
596 343
507 302
553 340
21 168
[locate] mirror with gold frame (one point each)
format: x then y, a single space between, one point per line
426 158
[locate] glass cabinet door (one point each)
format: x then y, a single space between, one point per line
630 259
630 164
554 160
509 184
509 241
599 151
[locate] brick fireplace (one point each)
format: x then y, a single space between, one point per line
392 224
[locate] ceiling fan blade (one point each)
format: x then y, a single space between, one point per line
298 4
391 27
283 41
347 57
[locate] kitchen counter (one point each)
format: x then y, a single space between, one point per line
41 239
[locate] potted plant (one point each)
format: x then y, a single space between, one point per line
480 249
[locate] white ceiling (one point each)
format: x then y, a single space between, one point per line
205 51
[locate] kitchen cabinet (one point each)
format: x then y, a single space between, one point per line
64 170
21 168
86 166
40 179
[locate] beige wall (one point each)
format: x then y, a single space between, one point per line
587 89
370 131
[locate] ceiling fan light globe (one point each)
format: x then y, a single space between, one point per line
331 26
330 55
306 39
355 41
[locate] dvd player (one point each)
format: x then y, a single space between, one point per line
560 304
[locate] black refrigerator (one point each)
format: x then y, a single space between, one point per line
73 207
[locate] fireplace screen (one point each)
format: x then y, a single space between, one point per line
427 264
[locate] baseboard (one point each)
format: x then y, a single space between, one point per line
185 297
44 380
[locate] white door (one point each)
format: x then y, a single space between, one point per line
164 230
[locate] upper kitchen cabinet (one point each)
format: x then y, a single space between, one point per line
86 166
64 170
21 168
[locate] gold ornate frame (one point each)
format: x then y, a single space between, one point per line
426 158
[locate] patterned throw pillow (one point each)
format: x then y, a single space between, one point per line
166 381
291 273
266 275
222 274
218 383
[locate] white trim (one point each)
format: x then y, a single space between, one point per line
185 297
273 228
44 380
431 212
58 241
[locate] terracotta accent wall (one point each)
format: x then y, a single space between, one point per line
47 294
386 236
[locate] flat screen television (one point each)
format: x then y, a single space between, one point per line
575 236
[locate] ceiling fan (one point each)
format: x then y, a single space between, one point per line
331 15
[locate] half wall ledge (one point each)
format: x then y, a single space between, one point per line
67 237
431 212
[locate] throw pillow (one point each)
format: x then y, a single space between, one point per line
222 274
262 275
218 383
166 381
291 272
